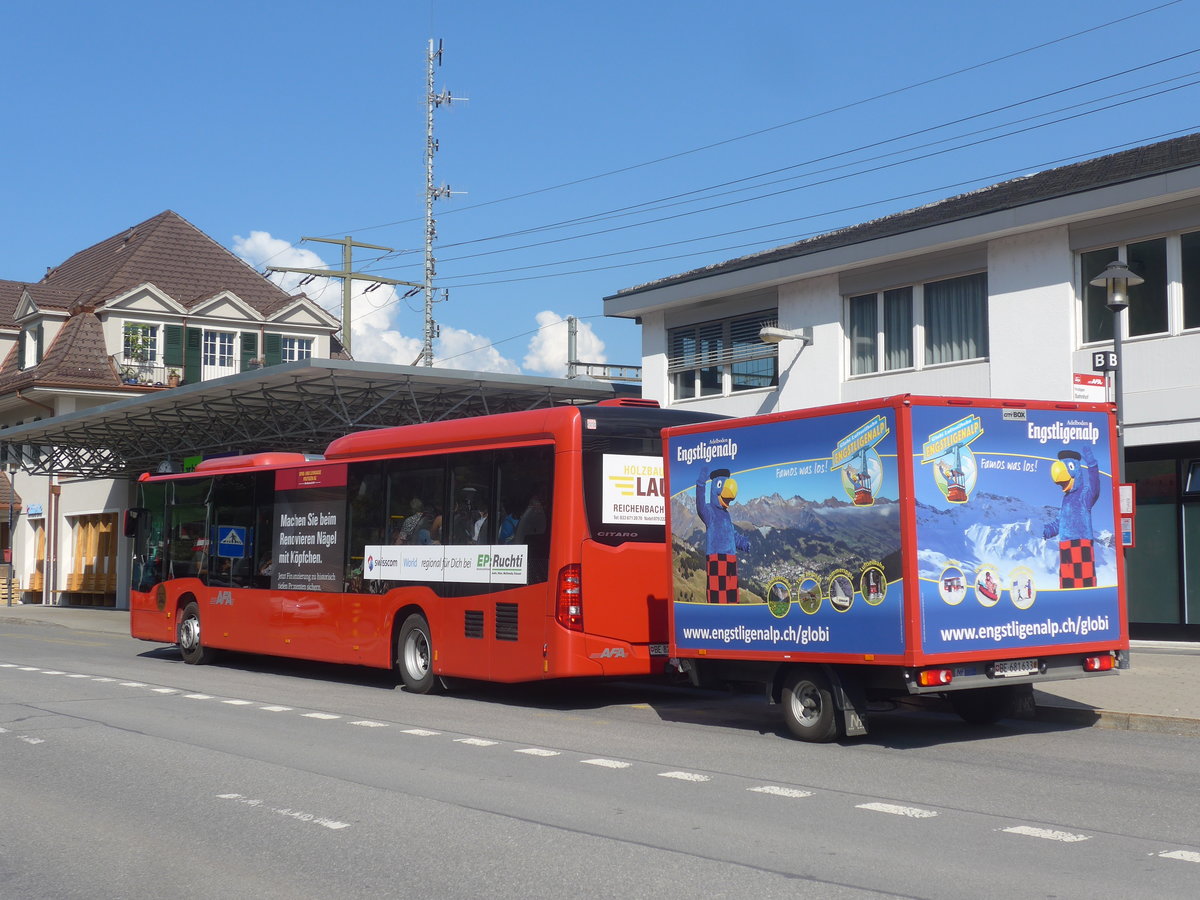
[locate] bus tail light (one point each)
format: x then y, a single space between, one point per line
569 606
1098 663
933 677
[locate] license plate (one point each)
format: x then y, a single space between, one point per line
658 649
1009 667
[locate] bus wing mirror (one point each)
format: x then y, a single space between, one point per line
133 518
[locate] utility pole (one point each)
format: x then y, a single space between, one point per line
347 274
432 101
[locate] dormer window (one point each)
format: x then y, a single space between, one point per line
140 343
29 346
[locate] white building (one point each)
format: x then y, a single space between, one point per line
145 310
981 295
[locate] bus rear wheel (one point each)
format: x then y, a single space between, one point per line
187 635
414 656
808 706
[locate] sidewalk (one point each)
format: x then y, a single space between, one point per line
1159 693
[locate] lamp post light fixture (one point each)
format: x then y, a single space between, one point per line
1116 280
773 334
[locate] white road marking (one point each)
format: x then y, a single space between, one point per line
31 740
475 742
323 716
911 811
332 824
367 723
28 668
105 680
1048 834
165 691
133 684
198 696
239 702
684 776
1185 855
8 665
420 732
53 672
537 751
70 675
606 763
276 708
781 791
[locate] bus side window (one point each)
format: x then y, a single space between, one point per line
524 484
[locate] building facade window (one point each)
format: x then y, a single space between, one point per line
722 357
294 348
218 348
1150 308
140 343
918 325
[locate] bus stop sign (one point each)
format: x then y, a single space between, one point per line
231 541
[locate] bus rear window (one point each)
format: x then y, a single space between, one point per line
623 489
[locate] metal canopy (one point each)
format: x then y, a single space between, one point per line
299 407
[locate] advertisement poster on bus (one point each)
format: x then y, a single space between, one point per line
309 548
463 563
785 536
1015 527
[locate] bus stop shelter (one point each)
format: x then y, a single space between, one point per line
299 407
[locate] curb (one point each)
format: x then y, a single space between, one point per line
1120 721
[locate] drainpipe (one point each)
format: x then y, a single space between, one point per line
46 406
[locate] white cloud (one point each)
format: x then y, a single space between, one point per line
375 316
548 348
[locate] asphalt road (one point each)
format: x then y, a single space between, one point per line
128 774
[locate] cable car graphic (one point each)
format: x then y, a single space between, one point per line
955 477
860 478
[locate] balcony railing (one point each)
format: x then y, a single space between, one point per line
144 374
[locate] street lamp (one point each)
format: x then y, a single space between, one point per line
1116 280
773 334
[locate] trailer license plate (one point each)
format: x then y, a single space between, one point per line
658 649
1009 667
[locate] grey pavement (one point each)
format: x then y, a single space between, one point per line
1160 692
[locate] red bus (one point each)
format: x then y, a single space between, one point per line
510 547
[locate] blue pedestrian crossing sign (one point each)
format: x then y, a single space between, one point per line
231 541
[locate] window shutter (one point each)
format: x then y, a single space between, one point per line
173 346
249 348
41 333
272 349
193 341
21 340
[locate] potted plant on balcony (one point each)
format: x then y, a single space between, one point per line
173 378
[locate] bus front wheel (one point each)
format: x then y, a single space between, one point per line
414 656
187 635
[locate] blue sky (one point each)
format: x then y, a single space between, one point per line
602 146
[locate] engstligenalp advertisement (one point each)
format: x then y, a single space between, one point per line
1015 542
786 536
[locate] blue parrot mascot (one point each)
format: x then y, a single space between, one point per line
1079 477
722 540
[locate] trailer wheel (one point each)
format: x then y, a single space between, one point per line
414 656
187 636
984 706
808 706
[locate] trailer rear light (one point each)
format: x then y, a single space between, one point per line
569 605
934 677
1098 663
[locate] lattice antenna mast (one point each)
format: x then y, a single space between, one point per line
432 101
